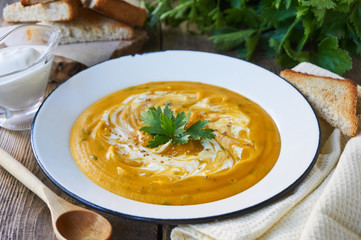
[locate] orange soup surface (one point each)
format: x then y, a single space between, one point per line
110 149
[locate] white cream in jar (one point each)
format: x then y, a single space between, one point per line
19 91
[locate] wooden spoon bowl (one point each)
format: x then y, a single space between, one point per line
69 221
82 221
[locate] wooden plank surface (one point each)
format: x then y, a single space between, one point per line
25 216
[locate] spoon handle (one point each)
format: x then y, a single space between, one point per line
21 173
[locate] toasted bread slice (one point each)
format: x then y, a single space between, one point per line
64 10
33 2
333 99
128 12
90 26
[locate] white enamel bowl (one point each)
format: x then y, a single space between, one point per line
296 121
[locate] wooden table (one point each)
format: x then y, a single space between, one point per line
24 216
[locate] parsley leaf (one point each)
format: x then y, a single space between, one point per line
163 126
197 132
228 41
330 56
158 140
152 118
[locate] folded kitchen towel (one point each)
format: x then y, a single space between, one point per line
326 205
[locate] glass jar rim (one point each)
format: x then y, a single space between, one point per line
49 50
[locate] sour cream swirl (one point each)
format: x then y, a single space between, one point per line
127 142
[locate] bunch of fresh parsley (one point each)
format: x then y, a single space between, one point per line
324 32
165 127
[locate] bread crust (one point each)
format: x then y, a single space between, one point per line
33 2
334 99
358 111
74 8
16 12
119 10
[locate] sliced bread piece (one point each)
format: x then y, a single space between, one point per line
128 12
33 2
64 10
333 99
90 26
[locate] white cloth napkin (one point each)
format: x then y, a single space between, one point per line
326 205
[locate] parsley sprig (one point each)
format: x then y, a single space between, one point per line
165 126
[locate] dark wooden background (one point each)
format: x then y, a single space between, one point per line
24 216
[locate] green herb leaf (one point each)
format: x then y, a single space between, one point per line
331 57
152 118
168 125
164 127
355 18
251 44
197 131
182 139
319 4
182 119
228 41
158 140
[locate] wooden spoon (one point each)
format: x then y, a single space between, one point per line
69 221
